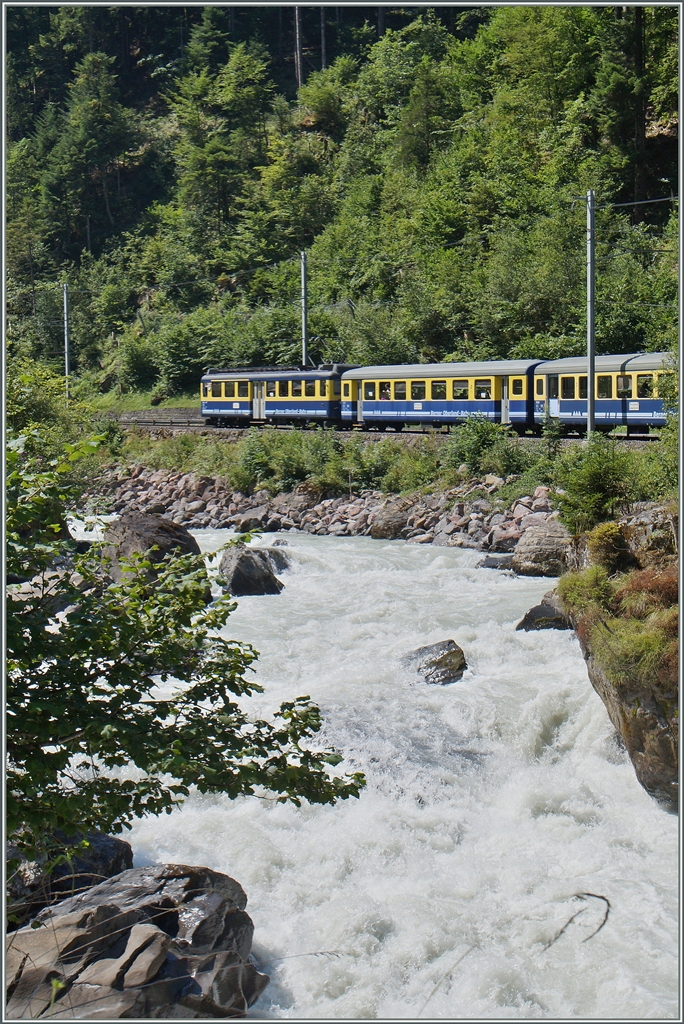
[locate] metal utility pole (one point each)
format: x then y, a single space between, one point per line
298 47
591 374
323 62
305 330
66 340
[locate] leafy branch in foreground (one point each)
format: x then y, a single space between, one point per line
93 738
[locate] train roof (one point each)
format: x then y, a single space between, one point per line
275 372
502 367
607 364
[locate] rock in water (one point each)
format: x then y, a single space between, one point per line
279 560
541 551
139 533
33 886
248 571
437 663
162 942
548 614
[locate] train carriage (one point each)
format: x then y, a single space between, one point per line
286 394
436 394
626 391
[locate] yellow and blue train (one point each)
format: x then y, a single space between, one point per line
519 392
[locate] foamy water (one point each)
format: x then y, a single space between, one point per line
490 804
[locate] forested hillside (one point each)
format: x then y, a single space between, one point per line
163 162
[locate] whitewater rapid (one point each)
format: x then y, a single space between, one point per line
491 803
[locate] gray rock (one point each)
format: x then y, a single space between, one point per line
248 571
280 561
504 538
391 520
441 663
142 533
495 562
161 942
32 886
254 519
549 614
542 550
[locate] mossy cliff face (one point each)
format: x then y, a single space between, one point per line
627 626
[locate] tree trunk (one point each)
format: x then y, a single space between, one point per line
323 61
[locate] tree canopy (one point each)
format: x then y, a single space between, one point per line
168 168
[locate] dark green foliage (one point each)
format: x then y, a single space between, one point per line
485 447
599 479
83 698
162 162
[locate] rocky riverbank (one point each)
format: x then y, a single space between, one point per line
467 516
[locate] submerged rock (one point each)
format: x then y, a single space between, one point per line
542 549
441 663
160 942
548 614
495 562
248 571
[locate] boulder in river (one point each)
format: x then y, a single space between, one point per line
162 942
34 885
441 663
541 551
548 614
142 533
248 571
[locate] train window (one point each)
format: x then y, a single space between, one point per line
567 387
322 389
623 386
604 387
459 389
645 385
296 389
346 391
336 388
369 391
283 388
205 390
229 389
385 391
517 387
417 390
310 388
583 387
438 390
553 387
540 386
400 391
243 389
483 389
216 389
270 389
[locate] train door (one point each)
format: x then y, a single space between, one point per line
552 386
258 403
359 401
505 404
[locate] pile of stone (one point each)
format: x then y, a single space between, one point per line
467 516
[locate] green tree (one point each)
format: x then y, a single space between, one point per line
83 689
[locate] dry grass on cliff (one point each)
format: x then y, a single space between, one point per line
629 622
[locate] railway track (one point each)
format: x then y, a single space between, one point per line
195 425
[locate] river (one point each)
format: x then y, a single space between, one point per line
490 805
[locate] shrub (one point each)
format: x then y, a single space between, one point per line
581 591
484 447
599 479
607 546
